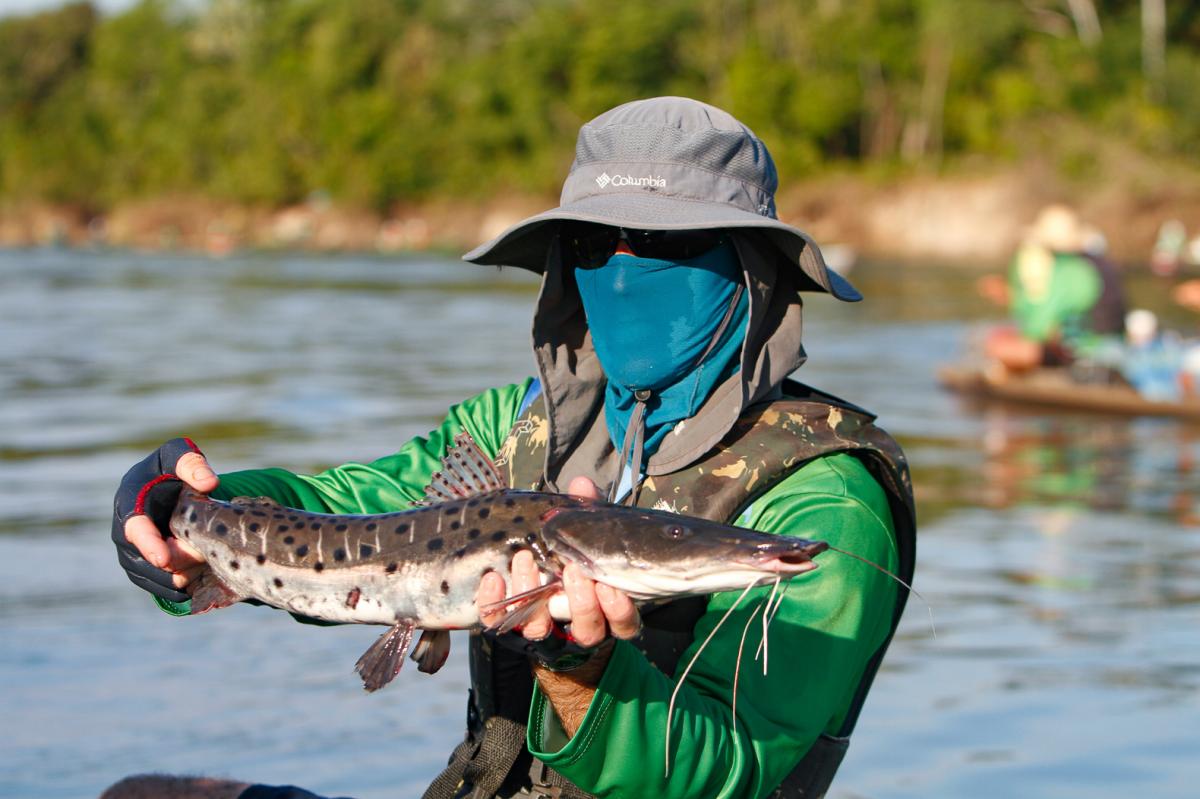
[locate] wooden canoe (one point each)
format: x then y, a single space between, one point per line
1054 388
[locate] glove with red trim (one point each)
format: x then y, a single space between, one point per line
558 651
150 489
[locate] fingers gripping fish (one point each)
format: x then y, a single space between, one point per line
420 568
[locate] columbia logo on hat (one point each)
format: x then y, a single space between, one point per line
647 182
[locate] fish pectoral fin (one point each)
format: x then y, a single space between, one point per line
529 602
431 650
209 593
382 661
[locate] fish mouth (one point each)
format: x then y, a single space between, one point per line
792 557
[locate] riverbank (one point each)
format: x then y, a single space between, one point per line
970 217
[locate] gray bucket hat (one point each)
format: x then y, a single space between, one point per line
667 163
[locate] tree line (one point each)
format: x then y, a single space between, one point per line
378 102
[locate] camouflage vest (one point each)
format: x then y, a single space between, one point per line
769 442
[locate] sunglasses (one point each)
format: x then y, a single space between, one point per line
590 246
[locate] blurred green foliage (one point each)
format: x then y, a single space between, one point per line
375 102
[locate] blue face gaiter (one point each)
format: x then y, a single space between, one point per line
652 321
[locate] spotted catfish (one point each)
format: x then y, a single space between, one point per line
420 568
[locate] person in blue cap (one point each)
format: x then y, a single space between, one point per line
665 333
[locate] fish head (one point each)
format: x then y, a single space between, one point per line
654 554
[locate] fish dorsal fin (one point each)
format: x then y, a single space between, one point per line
467 471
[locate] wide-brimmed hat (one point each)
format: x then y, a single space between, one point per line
667 163
1057 228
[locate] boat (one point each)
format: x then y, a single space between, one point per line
1059 389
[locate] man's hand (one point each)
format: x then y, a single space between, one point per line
154 561
597 611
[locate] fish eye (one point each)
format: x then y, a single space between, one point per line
676 531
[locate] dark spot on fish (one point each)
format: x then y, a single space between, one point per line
451 511
472 503
259 513
341 528
316 526
293 517
319 566
352 598
255 527
391 568
484 512
283 528
445 587
276 515
222 529
238 511
401 529
508 503
261 559
499 535
434 544
515 546
518 519
371 527
289 539
192 516
365 551
454 525
213 552
339 554
278 583
473 533
458 553
233 564
302 550
299 525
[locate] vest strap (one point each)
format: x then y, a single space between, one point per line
478 767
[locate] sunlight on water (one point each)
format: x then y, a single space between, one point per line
1060 554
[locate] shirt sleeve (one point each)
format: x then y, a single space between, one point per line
829 624
390 483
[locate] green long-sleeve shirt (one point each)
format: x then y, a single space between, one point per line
1052 293
829 624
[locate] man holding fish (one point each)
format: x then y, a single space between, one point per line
667 326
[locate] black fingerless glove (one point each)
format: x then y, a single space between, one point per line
558 651
150 488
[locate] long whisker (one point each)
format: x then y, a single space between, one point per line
682 677
766 620
737 665
877 567
773 612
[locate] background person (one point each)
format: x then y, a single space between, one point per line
1062 300
668 322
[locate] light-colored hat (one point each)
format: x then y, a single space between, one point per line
667 163
1057 228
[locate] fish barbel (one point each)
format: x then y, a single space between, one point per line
420 568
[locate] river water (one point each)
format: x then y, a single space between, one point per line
1059 554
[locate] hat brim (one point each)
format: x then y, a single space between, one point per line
526 243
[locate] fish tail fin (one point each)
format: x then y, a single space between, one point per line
210 593
431 650
382 661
